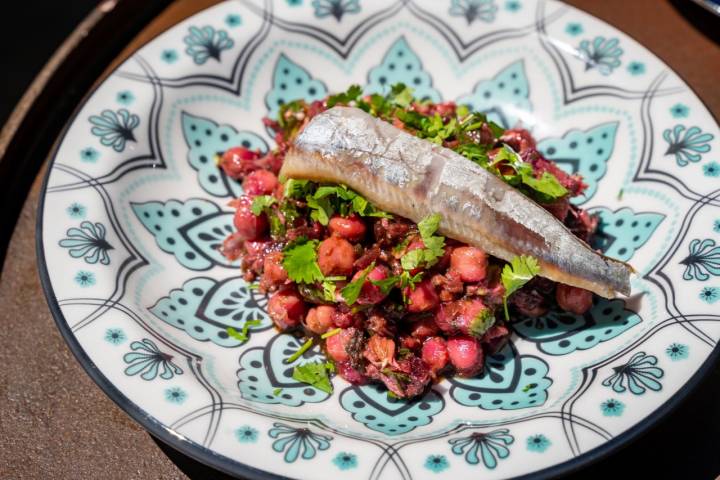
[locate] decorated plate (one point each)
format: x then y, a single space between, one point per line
134 209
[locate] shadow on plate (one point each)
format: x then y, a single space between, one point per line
700 18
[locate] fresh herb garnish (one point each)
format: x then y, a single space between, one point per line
304 348
300 261
386 284
243 334
315 374
330 333
277 391
346 97
329 199
351 291
262 203
516 274
434 245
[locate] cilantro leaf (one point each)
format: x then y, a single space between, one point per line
351 291
516 274
320 209
262 203
350 95
547 187
300 261
429 225
295 188
386 284
315 374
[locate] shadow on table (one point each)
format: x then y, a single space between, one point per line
683 445
704 21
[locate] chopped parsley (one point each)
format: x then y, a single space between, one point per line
434 245
315 374
300 261
262 203
351 291
304 348
330 199
516 274
243 334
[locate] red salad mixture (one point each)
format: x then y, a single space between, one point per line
388 299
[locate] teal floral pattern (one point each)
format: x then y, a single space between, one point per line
679 110
148 360
509 87
292 82
486 447
371 406
263 370
169 56
703 261
205 308
686 144
205 43
115 129
192 231
345 461
233 20
710 294
471 10
716 226
85 279
561 333
88 242
436 463
602 54
636 68
115 336
538 443
638 374
622 232
76 210
246 434
335 8
711 169
402 65
612 408
574 29
89 155
509 381
125 97
206 140
297 442
585 152
677 351
175 395
513 5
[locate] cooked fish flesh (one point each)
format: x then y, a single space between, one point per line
413 178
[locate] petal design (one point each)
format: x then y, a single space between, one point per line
488 447
686 144
89 242
205 43
297 442
638 374
483 10
703 261
622 232
401 65
504 98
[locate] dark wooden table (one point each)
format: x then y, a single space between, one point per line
56 423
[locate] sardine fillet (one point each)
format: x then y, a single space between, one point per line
413 178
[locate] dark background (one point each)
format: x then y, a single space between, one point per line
684 445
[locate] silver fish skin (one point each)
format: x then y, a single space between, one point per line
413 178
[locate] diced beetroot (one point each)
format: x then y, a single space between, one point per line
470 263
345 318
320 319
410 342
519 139
274 273
435 353
378 324
351 228
286 308
232 246
249 226
379 351
371 294
239 161
423 328
422 298
338 345
352 375
259 182
336 256
495 338
465 355
573 299
474 317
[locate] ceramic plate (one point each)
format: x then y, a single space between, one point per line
134 209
